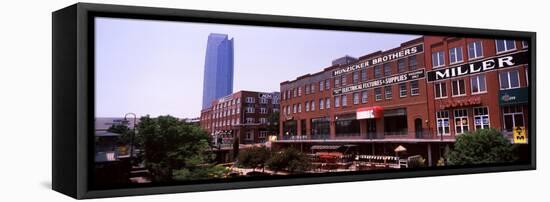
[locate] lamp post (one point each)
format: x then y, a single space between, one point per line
133 133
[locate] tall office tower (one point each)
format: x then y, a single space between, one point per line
218 69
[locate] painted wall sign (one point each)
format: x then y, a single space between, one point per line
405 52
399 78
487 65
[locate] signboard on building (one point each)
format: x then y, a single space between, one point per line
514 96
487 65
388 57
399 78
370 112
520 135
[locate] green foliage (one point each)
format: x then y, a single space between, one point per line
481 147
124 131
204 172
253 157
289 159
174 149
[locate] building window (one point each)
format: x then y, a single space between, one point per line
250 100
299 107
505 45
478 84
327 84
249 135
344 80
525 44
238 110
378 94
355 98
458 87
250 110
475 50
387 69
294 109
337 82
263 110
377 71
344 100
288 109
513 117
262 134
455 55
415 90
307 89
337 101
263 100
327 103
438 59
412 62
307 106
355 77
401 67
461 121
364 96
263 120
321 85
442 119
321 103
295 93
403 90
299 91
481 117
249 120
312 88
364 75
388 92
440 90
313 105
509 79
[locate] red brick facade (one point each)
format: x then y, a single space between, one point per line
464 84
243 114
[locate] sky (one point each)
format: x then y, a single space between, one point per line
156 67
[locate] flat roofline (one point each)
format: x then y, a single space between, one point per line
359 59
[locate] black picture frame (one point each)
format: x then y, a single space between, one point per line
73 95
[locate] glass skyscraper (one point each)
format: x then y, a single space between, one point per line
218 69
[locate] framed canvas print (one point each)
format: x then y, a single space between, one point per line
156 100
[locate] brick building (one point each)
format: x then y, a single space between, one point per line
241 116
408 96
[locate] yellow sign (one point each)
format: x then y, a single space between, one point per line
520 136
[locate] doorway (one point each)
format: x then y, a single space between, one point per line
418 128
371 128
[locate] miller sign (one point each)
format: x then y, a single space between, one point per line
487 65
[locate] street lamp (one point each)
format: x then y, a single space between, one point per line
133 133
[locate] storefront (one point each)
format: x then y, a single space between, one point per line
347 125
514 107
395 122
320 128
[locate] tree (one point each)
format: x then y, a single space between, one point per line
289 159
482 147
253 157
124 131
174 149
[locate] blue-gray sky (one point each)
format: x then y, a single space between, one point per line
156 67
